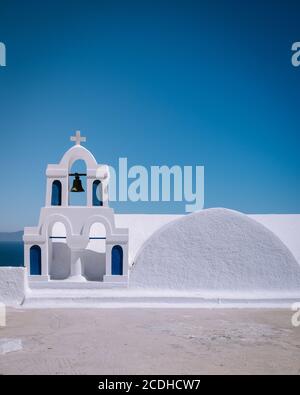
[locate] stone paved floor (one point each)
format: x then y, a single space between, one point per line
152 341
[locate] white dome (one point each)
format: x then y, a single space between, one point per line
215 249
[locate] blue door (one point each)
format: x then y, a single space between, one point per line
35 260
117 260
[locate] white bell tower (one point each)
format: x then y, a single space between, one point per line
62 248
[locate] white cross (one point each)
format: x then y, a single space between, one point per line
77 138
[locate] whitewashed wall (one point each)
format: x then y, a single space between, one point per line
142 226
12 285
216 250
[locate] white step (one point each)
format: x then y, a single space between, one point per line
121 297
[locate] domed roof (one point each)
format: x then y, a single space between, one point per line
215 249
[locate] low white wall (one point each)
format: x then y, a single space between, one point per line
12 285
141 227
284 226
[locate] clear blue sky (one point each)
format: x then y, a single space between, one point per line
178 82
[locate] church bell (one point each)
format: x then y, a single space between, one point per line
77 186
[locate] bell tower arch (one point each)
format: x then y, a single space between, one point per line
77 186
77 174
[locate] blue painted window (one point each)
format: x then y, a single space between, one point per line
35 260
97 193
56 193
117 260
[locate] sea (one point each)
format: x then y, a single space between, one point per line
11 253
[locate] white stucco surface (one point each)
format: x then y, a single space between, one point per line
215 249
286 227
12 285
142 226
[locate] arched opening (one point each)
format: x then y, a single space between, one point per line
117 260
97 193
35 260
56 193
58 232
78 198
59 252
94 257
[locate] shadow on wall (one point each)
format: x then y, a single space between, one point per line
93 263
61 259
